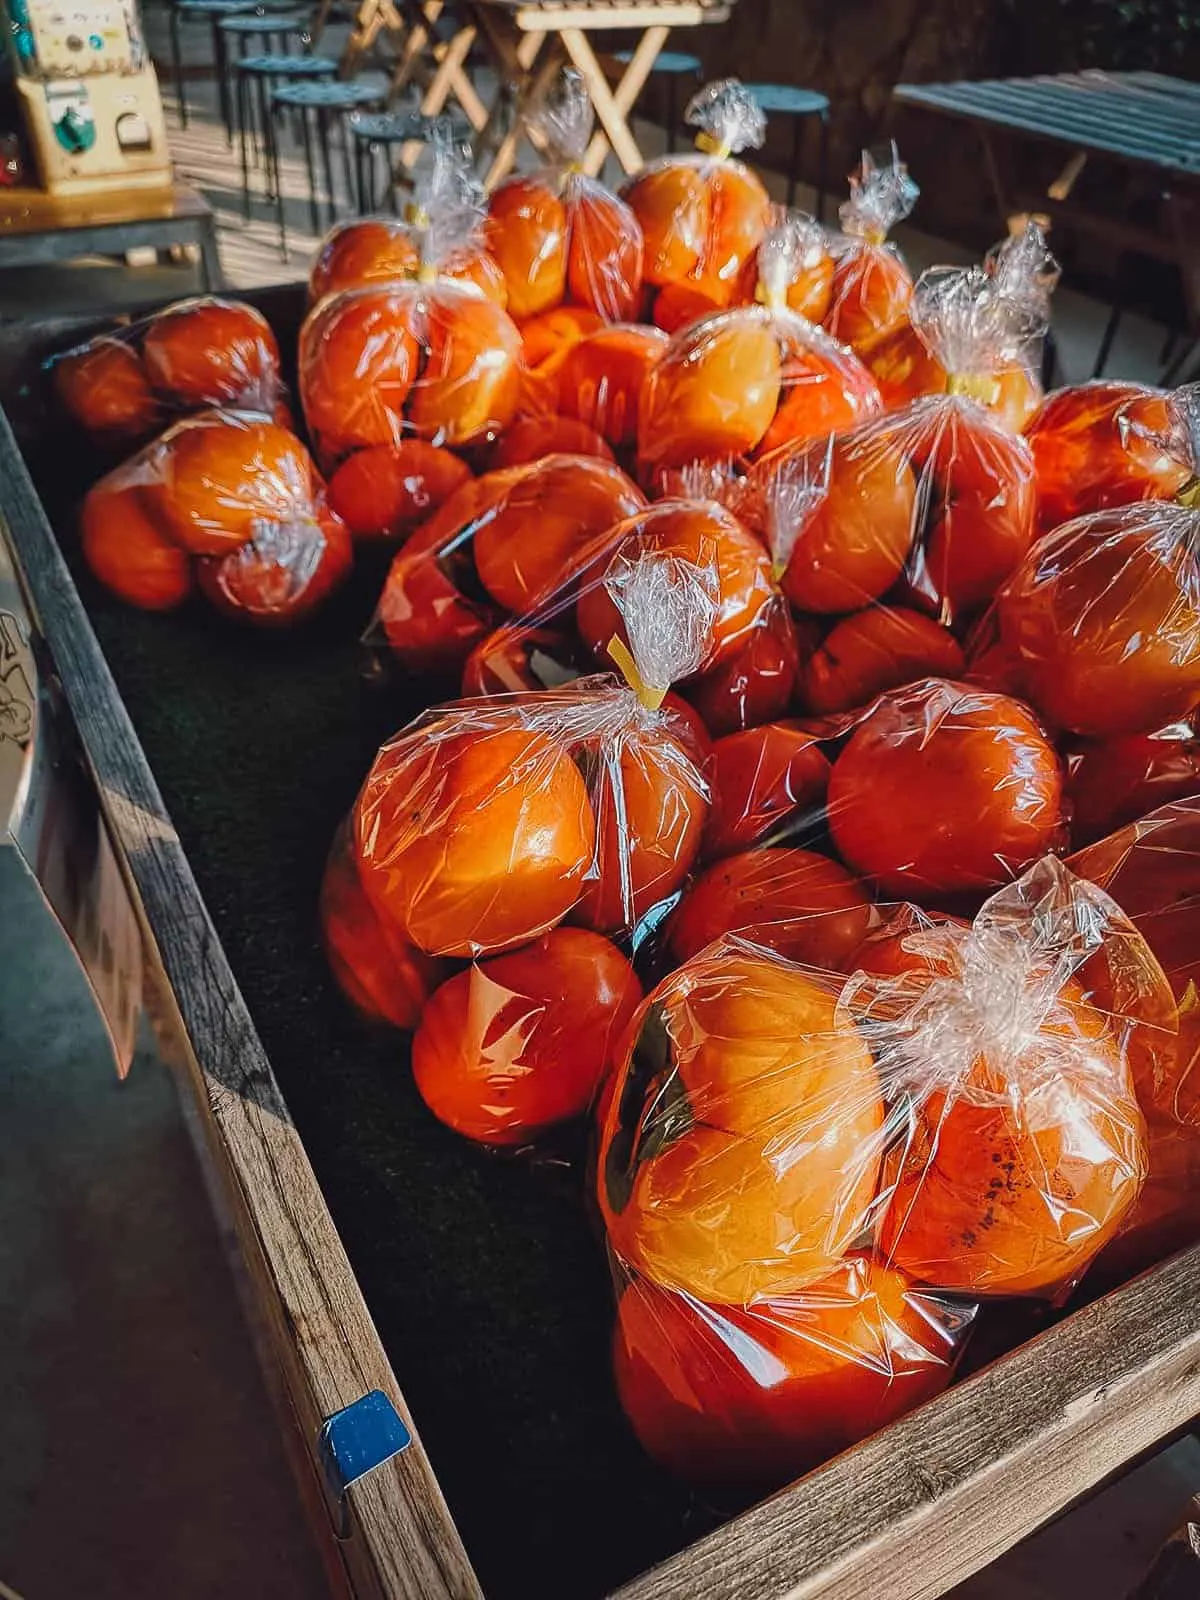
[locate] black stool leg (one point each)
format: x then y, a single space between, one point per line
823 167
347 161
672 112
306 134
1114 320
219 62
264 102
326 163
242 101
177 57
272 144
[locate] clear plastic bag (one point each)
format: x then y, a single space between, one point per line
702 216
1151 868
1020 275
580 624
1100 624
808 268
1111 443
1113 782
749 380
429 355
558 235
603 378
747 1398
380 250
871 285
962 1104
225 499
501 544
123 387
931 506
385 492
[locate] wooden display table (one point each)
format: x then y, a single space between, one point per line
36 228
487 1288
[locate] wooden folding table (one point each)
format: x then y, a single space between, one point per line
531 42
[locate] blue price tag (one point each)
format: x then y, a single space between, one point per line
360 1438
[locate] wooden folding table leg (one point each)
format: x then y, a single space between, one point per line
638 69
513 55
451 79
608 112
535 85
408 63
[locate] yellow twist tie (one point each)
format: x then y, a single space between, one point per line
876 236
981 386
778 568
425 273
650 697
773 299
709 145
1189 497
415 215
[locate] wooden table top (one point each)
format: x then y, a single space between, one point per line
32 211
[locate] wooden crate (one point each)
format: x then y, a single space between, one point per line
905 1515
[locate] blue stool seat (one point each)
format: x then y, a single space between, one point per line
214 8
788 99
325 96
665 61
280 66
271 22
398 127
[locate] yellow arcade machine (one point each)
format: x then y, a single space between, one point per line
86 96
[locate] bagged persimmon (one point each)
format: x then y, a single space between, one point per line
749 380
1111 443
1113 782
1100 623
559 236
226 500
581 624
932 505
1152 870
424 354
490 822
603 377
747 1398
702 216
123 386
905 367
501 544
871 285
808 288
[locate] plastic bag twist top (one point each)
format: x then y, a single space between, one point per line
727 117
970 325
1024 270
563 121
794 243
447 205
669 606
992 1026
791 496
880 197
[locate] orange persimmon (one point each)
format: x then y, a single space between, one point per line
1103 618
1106 443
522 1041
217 477
373 250
869 294
754 683
359 359
905 369
701 219
472 841
944 789
105 388
704 535
470 382
1116 781
385 491
730 1397
759 779
282 574
550 514
872 651
127 550
601 380
713 393
526 236
210 352
387 979
741 1144
798 903
531 438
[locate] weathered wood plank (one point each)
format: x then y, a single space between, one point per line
315 1331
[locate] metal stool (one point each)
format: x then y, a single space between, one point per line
380 130
327 101
268 73
786 100
213 11
272 32
673 66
